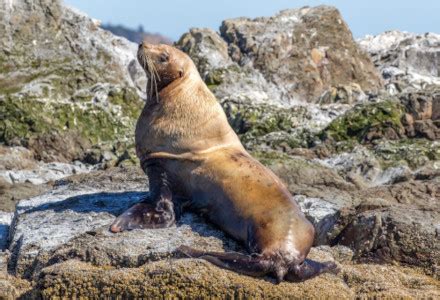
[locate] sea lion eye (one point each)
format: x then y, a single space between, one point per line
164 57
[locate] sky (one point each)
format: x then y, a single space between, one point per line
172 18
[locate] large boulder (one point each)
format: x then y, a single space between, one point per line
296 55
56 60
305 51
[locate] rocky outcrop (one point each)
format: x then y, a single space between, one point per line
58 61
61 240
300 53
407 61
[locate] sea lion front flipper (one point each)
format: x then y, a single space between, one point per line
309 269
240 263
159 214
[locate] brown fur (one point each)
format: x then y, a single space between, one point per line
184 129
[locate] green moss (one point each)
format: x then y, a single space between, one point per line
269 125
357 123
259 120
127 99
269 157
215 77
24 119
413 152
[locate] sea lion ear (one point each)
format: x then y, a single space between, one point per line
181 73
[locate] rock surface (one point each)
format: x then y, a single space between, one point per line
407 61
5 222
57 60
297 53
199 279
60 240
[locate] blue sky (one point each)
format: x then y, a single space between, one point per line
173 17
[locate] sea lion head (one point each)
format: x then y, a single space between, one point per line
163 65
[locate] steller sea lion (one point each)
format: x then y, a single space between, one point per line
194 160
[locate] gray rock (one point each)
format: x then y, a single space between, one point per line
361 167
407 61
85 79
394 234
43 172
72 221
324 216
299 51
207 49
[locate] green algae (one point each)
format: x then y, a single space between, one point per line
25 119
357 123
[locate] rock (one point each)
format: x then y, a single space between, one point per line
391 234
407 61
199 279
420 117
414 153
16 158
64 233
43 173
10 194
421 193
384 230
367 122
72 221
38 230
85 79
358 166
301 50
327 217
12 287
363 168
207 49
348 94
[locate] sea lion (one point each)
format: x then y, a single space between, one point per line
194 160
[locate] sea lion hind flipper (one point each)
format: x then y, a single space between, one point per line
143 215
255 266
309 269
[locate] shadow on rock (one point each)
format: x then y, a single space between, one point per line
113 203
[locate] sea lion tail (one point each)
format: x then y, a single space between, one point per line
250 265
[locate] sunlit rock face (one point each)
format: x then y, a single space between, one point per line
407 61
299 51
65 84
